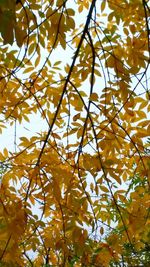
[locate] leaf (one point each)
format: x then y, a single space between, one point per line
6 27
101 230
70 12
103 5
5 153
31 48
20 36
29 69
94 97
104 188
37 61
142 133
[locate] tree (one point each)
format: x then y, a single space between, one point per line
77 192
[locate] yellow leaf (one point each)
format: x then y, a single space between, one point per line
103 5
2 157
55 135
104 188
94 97
141 114
5 152
101 230
28 70
142 132
70 12
80 8
31 48
20 35
37 61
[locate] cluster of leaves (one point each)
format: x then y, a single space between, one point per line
77 192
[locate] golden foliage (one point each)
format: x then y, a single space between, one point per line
76 193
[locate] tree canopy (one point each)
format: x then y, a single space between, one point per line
75 193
